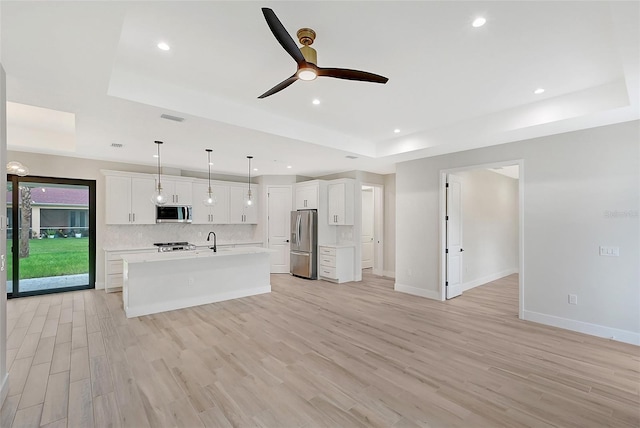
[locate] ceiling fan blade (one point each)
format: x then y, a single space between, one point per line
282 35
345 73
280 86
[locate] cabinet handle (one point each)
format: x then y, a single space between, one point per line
134 217
177 198
129 217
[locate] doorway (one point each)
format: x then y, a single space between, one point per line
372 228
481 213
50 235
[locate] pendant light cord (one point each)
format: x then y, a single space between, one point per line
249 175
159 170
209 167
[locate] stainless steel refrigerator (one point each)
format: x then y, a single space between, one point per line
304 243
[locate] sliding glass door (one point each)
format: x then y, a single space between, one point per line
51 235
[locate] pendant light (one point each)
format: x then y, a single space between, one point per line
248 200
159 197
210 199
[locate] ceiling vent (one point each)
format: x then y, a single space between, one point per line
174 118
351 157
117 145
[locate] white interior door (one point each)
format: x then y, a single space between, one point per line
279 203
454 237
368 215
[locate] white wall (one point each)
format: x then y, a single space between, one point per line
572 182
4 375
390 225
490 226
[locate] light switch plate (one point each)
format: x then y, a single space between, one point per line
609 251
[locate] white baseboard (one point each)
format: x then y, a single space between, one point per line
429 294
99 285
584 327
189 302
4 389
488 278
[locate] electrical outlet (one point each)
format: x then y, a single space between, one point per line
573 299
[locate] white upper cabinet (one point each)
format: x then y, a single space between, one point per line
179 192
307 195
341 202
128 200
219 213
239 212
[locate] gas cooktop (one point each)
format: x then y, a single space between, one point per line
174 246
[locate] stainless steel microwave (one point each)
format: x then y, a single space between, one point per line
174 214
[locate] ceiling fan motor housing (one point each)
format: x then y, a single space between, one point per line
309 54
306 36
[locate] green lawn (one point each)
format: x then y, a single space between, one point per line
53 257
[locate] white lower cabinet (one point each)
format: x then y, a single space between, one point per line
336 263
113 267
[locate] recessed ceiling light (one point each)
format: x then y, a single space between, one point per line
316 102
289 166
479 22
396 131
155 156
538 91
163 46
255 169
210 163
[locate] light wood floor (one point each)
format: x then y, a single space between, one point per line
312 354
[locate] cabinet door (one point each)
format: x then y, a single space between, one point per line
220 212
336 193
118 200
142 209
251 212
300 198
201 212
183 193
236 204
307 197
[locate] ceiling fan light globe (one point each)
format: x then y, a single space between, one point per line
307 74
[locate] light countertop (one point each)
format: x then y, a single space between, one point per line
339 245
149 246
196 254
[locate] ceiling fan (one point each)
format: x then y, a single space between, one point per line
306 57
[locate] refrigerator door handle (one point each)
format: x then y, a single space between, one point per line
298 229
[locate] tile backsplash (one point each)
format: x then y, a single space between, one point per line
132 235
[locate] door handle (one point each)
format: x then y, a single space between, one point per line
286 240
461 250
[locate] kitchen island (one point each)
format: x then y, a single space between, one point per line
158 282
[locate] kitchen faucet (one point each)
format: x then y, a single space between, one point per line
215 241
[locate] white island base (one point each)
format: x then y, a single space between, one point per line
159 282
